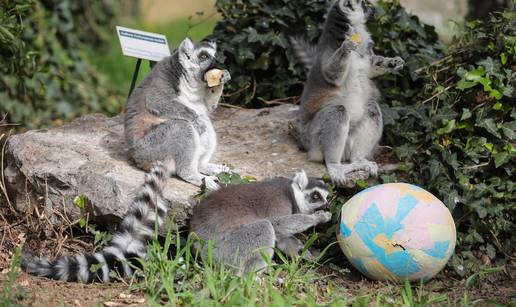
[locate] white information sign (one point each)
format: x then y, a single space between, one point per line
143 45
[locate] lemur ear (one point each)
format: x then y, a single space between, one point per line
187 45
301 180
213 44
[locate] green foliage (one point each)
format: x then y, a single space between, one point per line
253 39
458 132
101 238
44 78
13 294
176 274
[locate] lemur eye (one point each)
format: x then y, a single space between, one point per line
204 56
316 196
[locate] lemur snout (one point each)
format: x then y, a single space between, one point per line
326 206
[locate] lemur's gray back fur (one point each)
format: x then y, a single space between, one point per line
129 243
339 118
167 115
244 221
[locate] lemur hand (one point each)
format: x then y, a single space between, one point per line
349 45
396 63
226 77
323 216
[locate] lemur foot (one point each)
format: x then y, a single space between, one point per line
211 183
342 174
370 167
214 169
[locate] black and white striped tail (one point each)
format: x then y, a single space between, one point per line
128 244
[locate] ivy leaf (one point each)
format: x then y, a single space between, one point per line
503 58
475 75
466 114
490 126
261 63
450 126
501 158
495 94
80 201
83 222
497 106
509 129
279 40
491 252
464 85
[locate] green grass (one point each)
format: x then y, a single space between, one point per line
11 293
198 281
119 69
175 275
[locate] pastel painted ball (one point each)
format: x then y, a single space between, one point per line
397 232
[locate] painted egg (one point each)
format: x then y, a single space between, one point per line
397 232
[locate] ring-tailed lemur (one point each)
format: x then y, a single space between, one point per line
247 221
167 116
339 118
129 243
242 220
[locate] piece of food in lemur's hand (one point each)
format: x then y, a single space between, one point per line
356 38
213 77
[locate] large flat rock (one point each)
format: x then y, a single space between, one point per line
47 169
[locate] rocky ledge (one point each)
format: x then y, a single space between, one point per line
47 169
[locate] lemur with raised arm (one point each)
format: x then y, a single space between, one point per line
339 118
167 117
246 222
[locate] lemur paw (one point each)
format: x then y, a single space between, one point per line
337 175
349 44
356 175
342 174
370 167
323 216
214 169
396 63
211 183
226 77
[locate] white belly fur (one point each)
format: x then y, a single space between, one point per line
208 139
356 92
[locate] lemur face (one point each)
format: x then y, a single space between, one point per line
197 59
357 9
310 194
